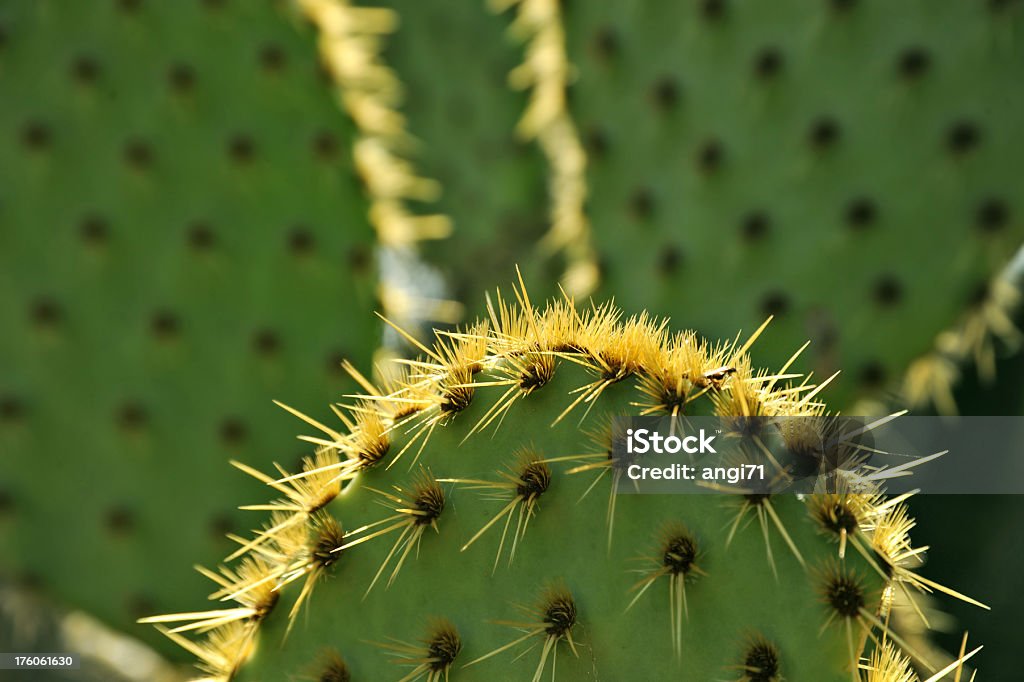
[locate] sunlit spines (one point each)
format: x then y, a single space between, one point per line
552 621
415 510
841 515
321 552
669 369
520 486
251 585
433 657
221 652
889 533
677 559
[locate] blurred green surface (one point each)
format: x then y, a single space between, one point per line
181 240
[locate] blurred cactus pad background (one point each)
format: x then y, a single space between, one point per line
204 202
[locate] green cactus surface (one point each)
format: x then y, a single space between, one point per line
182 238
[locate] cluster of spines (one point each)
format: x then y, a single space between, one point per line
302 541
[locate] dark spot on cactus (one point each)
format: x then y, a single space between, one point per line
334 360
6 502
443 646
241 149
266 342
962 137
93 229
534 479
872 374
272 58
842 5
46 313
559 614
768 62
232 431
36 135
140 606
913 62
761 662
888 291
568 94
329 538
665 93
679 553
756 499
844 592
129 6
755 226
596 142
824 132
713 9
335 670
132 416
861 212
606 43
138 154
165 324
120 520
322 71
221 525
325 145
3 36
641 203
181 77
301 241
1000 5
710 155
12 408
30 581
669 259
775 303
979 294
359 258
992 215
200 236
85 70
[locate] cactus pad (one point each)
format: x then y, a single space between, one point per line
181 239
460 522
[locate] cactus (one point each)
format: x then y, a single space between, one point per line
759 148
181 236
460 522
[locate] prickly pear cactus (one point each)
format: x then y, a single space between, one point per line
756 169
181 239
773 150
459 522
